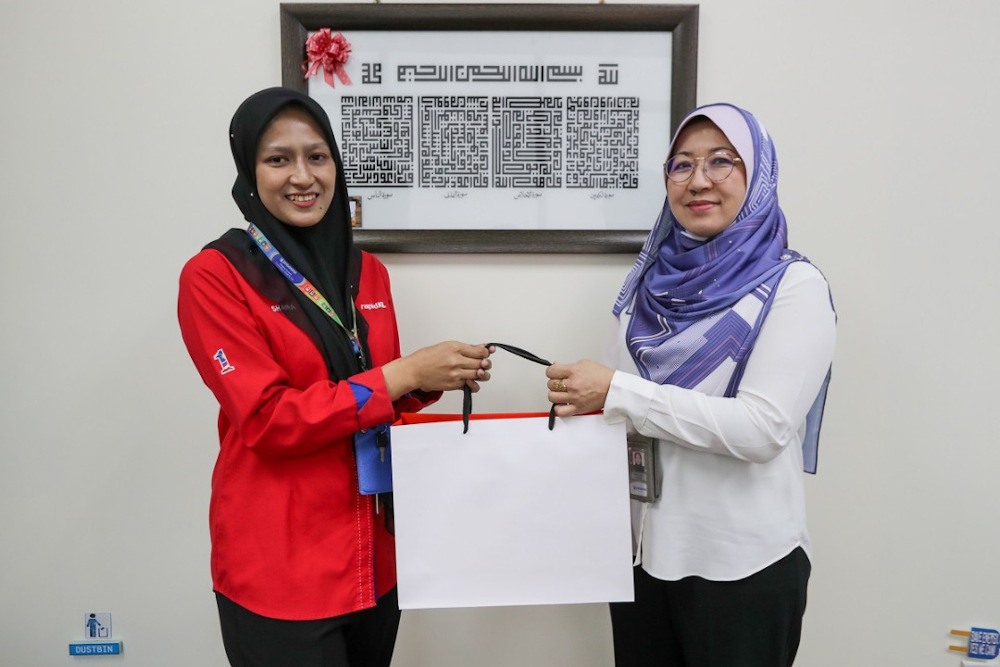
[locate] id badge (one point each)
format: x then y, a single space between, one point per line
643 484
374 459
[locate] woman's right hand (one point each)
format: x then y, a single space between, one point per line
579 388
441 367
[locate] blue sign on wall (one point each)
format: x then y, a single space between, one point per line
983 643
95 648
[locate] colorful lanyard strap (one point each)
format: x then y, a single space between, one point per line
307 288
524 354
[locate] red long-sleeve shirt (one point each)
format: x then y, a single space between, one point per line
291 536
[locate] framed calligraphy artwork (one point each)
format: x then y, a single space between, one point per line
498 128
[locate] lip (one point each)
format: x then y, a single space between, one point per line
701 206
302 203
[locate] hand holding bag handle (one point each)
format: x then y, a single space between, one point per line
467 392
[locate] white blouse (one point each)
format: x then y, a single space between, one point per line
732 499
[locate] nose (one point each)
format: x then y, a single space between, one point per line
301 174
699 179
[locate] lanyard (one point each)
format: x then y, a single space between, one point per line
307 288
524 354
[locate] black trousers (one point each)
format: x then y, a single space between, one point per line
361 639
693 622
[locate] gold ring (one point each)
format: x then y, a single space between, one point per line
558 385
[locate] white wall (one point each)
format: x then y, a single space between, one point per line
116 169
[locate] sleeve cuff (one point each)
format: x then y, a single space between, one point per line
628 400
374 405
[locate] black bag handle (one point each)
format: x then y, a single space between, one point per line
524 354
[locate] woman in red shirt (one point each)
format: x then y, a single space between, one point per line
294 331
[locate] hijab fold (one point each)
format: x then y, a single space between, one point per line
324 253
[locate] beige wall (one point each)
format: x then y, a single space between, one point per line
116 169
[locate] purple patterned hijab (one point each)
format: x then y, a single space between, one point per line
683 290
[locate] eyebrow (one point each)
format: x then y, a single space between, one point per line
710 150
278 148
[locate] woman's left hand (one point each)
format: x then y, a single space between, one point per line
578 388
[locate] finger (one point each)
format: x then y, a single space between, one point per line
479 356
557 371
474 374
557 385
472 385
474 351
468 364
565 410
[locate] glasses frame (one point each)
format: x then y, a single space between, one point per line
704 168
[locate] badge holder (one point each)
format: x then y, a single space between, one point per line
643 483
374 457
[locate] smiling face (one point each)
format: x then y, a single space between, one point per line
295 171
703 207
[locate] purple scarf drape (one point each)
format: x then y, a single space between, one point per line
682 291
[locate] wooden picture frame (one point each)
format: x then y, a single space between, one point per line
680 22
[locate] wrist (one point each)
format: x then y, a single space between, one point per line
398 378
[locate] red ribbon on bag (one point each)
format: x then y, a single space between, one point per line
328 52
429 417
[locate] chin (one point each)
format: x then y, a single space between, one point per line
299 222
702 230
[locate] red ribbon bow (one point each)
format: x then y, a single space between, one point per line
329 52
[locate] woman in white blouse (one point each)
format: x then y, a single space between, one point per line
722 359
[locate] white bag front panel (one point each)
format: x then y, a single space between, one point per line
511 513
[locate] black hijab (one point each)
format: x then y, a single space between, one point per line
324 253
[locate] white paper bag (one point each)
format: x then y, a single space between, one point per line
511 513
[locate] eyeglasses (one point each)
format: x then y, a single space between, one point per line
717 166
